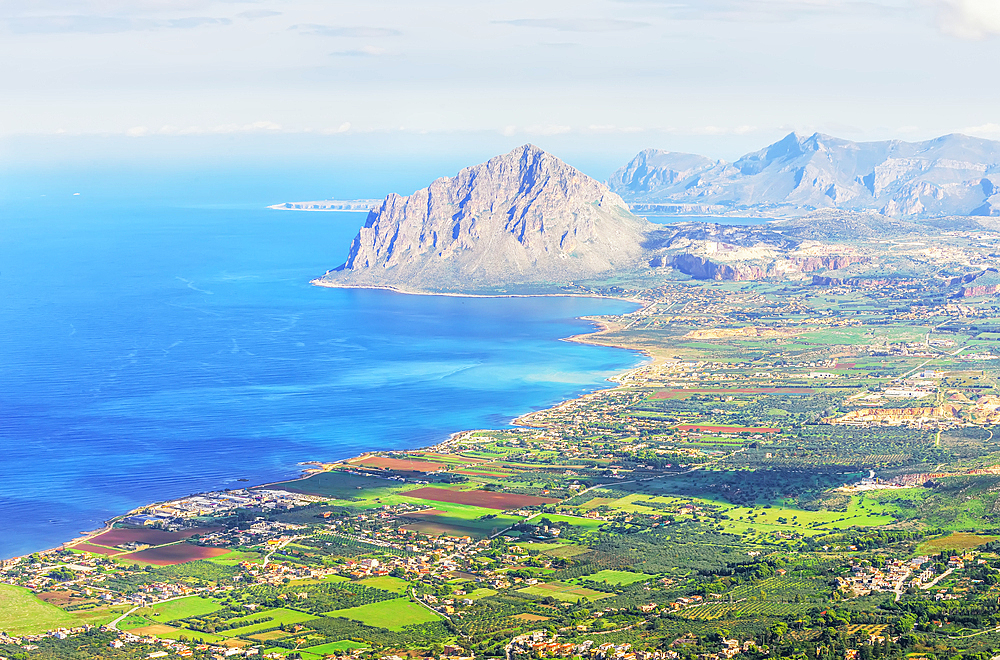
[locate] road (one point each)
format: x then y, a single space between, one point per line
277 547
938 579
413 595
114 624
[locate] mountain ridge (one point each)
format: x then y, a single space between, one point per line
521 216
952 175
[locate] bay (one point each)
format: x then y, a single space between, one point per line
155 347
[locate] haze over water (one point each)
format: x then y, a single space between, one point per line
150 349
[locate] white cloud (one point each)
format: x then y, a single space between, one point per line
258 13
969 19
716 130
547 129
364 51
222 129
357 32
774 11
611 128
101 24
343 128
577 24
986 131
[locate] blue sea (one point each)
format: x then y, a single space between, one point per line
161 342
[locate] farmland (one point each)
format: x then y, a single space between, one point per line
763 478
116 537
956 541
393 614
185 608
273 618
177 553
21 612
481 498
563 591
618 577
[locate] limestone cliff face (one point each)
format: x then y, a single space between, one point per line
522 218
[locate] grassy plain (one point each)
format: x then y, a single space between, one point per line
392 614
184 608
387 583
22 613
563 591
618 577
327 649
278 616
173 632
958 541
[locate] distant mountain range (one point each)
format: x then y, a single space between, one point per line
522 218
954 175
526 222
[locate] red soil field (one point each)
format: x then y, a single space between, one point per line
147 536
483 498
468 459
399 464
726 429
168 555
96 549
667 394
62 598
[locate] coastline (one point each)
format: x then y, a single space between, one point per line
451 294
600 327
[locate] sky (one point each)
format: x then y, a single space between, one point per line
596 79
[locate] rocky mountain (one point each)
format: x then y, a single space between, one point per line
954 175
526 222
523 218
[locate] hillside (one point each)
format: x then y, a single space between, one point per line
523 218
954 175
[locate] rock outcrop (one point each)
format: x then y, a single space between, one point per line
523 218
986 283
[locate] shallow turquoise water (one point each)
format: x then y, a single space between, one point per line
152 347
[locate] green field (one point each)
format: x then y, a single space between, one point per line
561 550
576 521
172 632
569 593
456 519
278 617
134 620
957 541
392 614
235 557
22 613
862 511
712 611
341 485
617 577
184 608
343 645
480 593
387 583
